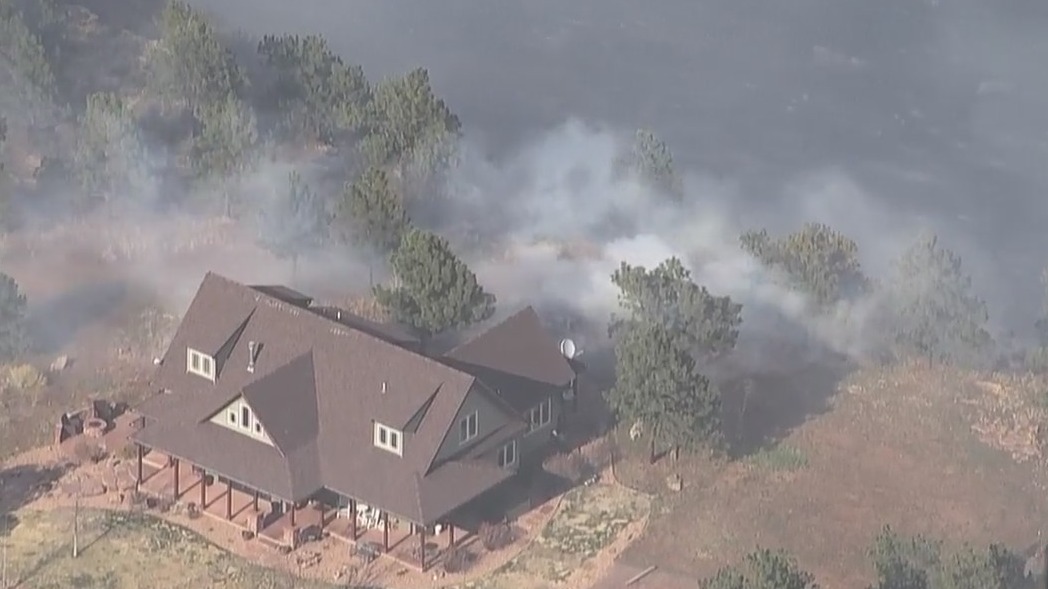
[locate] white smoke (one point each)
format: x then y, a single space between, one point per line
558 201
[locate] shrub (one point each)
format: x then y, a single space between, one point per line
88 452
495 536
128 452
24 377
457 560
573 466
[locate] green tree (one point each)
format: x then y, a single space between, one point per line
14 340
321 96
225 144
189 65
668 296
650 160
295 223
658 385
996 568
110 159
934 311
411 131
24 51
372 212
762 569
817 261
921 563
434 290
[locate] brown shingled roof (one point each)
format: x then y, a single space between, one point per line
517 358
312 378
518 346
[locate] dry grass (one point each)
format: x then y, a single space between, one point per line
1009 414
365 306
115 240
148 336
126 551
898 447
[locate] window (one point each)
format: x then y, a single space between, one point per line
258 427
388 439
200 364
468 428
245 417
508 454
232 417
540 415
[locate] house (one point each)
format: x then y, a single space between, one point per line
272 398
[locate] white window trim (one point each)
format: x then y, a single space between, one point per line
190 354
475 416
502 453
535 422
398 449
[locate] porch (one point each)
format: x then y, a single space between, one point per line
367 532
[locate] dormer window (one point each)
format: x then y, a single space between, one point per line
200 364
389 439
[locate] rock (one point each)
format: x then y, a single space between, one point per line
675 483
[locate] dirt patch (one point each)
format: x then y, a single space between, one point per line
896 448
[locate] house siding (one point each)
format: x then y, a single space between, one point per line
489 418
533 442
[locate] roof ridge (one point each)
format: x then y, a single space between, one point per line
473 338
338 328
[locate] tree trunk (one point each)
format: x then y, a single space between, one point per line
651 453
742 410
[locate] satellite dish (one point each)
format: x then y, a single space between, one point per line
567 348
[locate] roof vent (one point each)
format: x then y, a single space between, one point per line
252 354
383 387
338 314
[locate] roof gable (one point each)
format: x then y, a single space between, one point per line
285 401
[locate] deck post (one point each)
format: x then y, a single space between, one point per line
323 514
293 510
385 532
176 478
353 519
229 499
422 547
254 501
451 534
141 454
203 489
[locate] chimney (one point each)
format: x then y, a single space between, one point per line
252 353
